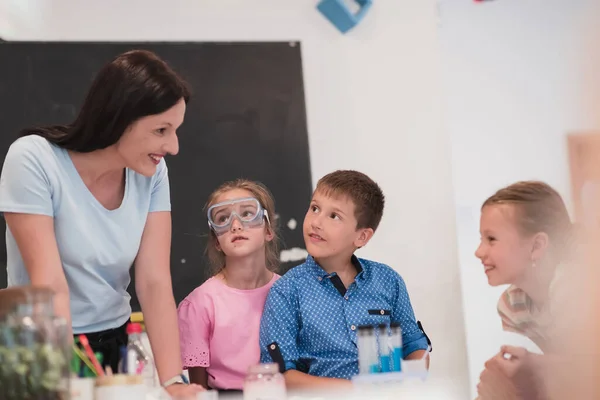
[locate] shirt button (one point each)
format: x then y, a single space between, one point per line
320 279
353 327
382 312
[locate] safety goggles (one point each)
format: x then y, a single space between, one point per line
247 210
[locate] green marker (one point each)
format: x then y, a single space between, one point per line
87 372
75 364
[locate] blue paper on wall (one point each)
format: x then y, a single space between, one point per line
340 14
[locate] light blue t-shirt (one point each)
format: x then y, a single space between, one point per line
97 246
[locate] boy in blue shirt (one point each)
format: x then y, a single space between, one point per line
312 313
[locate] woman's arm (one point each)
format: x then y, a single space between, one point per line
154 290
34 235
27 203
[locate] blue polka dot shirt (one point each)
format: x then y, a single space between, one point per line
311 320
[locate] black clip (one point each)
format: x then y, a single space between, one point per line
275 353
420 325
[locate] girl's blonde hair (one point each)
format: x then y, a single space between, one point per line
539 208
265 198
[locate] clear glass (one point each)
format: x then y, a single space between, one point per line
396 337
10 381
367 353
36 302
396 342
33 349
62 343
368 361
264 382
385 349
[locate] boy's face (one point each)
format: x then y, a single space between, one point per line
330 227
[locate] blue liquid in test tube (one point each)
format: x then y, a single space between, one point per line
367 350
396 342
385 348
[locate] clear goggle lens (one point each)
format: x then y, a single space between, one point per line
248 211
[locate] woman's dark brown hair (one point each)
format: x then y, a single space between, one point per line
133 85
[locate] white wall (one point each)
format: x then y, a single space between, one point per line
513 83
373 104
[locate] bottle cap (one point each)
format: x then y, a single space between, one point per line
134 327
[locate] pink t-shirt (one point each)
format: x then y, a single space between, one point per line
219 329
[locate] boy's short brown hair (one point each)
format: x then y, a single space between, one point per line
366 195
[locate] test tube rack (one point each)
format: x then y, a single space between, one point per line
411 369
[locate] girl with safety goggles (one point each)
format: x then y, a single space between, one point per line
219 321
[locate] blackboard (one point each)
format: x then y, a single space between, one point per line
246 119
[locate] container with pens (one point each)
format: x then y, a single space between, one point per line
380 356
133 380
134 359
86 367
84 362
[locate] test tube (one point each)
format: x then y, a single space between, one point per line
385 348
367 350
396 345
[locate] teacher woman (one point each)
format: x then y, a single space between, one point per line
86 201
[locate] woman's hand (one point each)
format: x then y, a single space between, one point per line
511 374
184 392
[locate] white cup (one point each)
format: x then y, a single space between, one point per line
82 388
130 387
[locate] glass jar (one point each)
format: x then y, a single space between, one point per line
34 348
264 382
9 361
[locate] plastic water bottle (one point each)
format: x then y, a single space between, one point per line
137 361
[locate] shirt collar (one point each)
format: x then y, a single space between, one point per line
518 301
319 272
